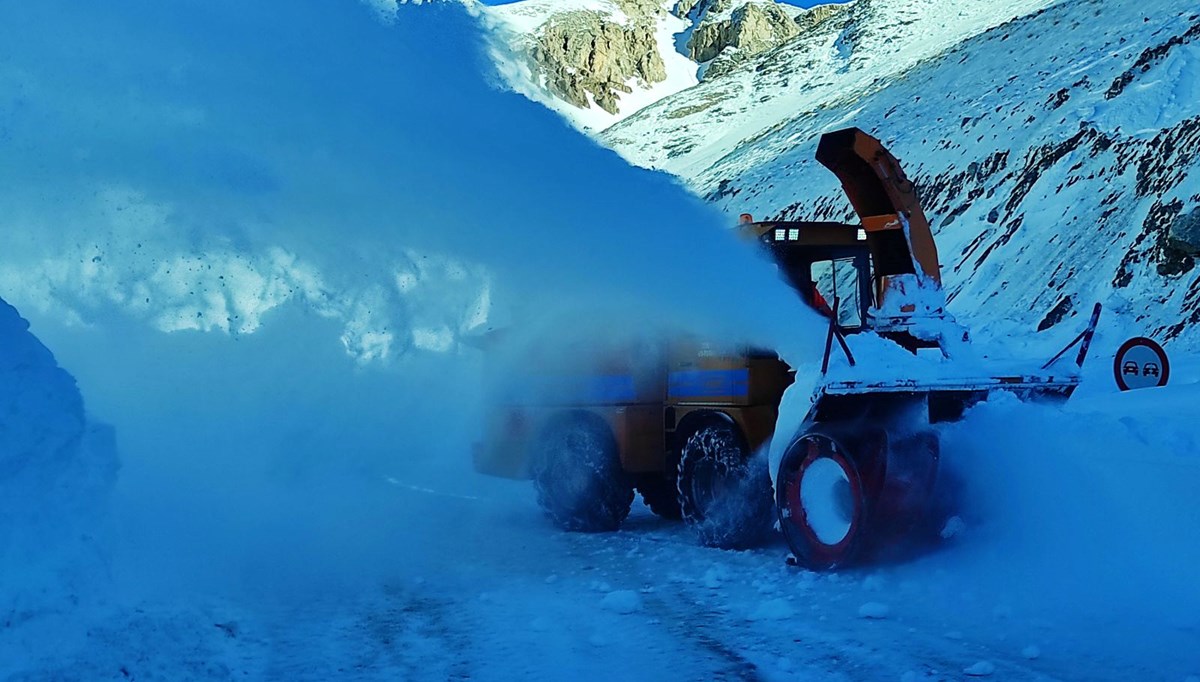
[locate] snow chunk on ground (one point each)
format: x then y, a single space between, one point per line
772 609
981 669
622 601
1031 652
874 610
715 576
953 528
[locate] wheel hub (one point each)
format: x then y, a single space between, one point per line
826 501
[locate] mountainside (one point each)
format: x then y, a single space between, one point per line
1057 155
1056 152
598 61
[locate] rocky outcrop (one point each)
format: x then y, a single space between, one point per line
590 55
725 40
815 16
696 9
751 29
640 9
1184 235
584 53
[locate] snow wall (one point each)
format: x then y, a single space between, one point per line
56 473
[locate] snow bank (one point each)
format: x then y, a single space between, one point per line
56 473
1081 513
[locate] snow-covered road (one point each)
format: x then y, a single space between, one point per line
497 594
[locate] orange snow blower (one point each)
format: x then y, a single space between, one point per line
862 473
684 422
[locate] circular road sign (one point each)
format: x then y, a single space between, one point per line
1141 363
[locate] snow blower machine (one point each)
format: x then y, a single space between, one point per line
688 423
862 473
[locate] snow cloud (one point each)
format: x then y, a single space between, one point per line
261 237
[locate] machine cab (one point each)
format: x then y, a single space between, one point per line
828 264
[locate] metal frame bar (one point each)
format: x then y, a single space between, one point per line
1085 336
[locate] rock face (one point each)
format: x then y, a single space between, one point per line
694 10
818 15
727 35
750 30
584 53
593 54
1184 235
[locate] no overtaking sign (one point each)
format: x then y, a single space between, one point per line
1141 363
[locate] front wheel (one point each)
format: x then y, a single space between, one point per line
724 493
821 503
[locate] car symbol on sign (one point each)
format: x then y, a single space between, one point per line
1132 368
1150 370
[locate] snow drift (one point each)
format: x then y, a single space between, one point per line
57 469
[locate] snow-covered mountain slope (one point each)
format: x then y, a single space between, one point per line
1058 153
593 61
832 65
598 61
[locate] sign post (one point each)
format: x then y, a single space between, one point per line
1141 363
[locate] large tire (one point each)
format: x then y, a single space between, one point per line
577 474
821 501
724 493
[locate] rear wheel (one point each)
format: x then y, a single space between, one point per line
577 473
724 493
821 503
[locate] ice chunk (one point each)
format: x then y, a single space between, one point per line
1031 652
622 601
874 610
954 526
980 669
714 576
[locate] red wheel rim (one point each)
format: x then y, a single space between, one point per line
818 551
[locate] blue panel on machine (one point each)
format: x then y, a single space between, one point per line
709 383
607 389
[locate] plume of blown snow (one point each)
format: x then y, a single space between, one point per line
263 237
